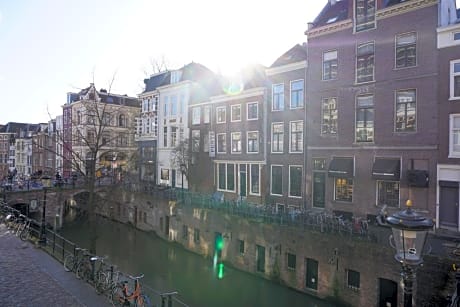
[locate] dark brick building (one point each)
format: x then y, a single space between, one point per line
371 116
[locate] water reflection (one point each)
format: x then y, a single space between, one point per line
168 267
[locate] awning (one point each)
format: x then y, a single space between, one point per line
341 167
386 169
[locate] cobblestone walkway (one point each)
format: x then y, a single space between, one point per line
31 277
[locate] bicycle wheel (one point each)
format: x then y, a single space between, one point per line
83 271
143 301
69 262
102 282
25 234
117 297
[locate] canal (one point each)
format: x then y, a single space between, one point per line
169 267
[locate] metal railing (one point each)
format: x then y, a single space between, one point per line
59 247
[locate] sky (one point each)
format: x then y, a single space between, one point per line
51 47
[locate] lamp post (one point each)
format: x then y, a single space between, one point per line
183 169
409 234
46 182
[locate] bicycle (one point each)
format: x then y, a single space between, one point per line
105 279
72 261
120 295
25 233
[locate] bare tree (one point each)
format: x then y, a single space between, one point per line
184 155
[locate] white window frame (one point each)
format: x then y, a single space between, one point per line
232 107
224 110
301 103
396 111
359 45
247 142
250 180
373 23
226 177
397 38
271 177
247 110
196 115
290 136
271 135
377 190
333 57
225 141
273 97
231 143
289 181
452 78
323 101
207 114
452 152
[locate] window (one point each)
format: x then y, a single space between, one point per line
405 111
296 137
364 118
90 117
365 63
329 116
456 36
388 193
173 105
330 65
343 188
253 111
196 235
221 143
278 97
165 137
236 113
406 50
255 179
196 113
236 142
220 115
277 180
165 106
277 137
364 15
173 136
295 181
241 247
226 177
297 94
207 114
319 164
121 120
291 261
353 279
195 140
164 174
454 143
455 79
253 142
206 141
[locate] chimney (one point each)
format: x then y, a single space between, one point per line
332 2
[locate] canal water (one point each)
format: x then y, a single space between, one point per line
169 267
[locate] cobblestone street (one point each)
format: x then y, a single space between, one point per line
31 277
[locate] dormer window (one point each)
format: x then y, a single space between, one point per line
364 15
175 76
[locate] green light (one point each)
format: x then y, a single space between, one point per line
220 270
219 243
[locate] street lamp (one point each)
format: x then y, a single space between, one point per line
183 169
409 234
46 183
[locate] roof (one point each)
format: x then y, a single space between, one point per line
297 53
332 13
157 80
104 96
19 128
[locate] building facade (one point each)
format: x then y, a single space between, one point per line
98 130
372 117
448 168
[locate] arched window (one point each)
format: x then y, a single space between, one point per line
121 120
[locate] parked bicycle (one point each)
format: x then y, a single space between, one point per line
72 261
121 295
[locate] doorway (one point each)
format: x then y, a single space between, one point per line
448 204
388 296
319 189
